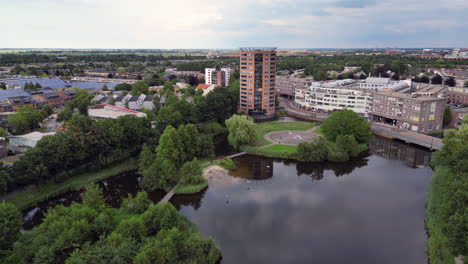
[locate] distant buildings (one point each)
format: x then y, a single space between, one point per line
257 81
219 77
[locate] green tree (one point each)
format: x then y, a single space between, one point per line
241 131
93 197
10 225
146 158
436 79
447 115
48 109
111 100
123 87
168 116
105 88
65 114
191 172
3 132
136 205
171 147
5 178
3 86
466 84
140 87
24 119
348 144
346 122
312 151
162 174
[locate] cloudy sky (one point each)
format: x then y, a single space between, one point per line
233 23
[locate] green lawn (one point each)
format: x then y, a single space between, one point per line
189 189
263 128
282 148
43 192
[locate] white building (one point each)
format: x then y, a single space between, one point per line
217 77
384 84
333 96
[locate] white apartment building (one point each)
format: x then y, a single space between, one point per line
328 99
217 77
384 84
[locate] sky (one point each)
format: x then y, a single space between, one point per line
230 24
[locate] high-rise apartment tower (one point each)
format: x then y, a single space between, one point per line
257 81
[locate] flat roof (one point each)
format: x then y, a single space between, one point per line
261 49
34 136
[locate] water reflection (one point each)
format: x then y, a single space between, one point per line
413 156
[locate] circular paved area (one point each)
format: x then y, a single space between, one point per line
288 137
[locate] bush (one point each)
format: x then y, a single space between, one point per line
336 153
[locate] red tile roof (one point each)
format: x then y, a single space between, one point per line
203 86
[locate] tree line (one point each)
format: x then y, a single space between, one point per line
91 232
446 211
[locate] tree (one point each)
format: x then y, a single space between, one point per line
24 119
466 84
123 87
3 132
162 174
3 85
10 225
312 151
48 109
191 172
136 205
146 158
111 100
5 178
436 79
348 144
241 131
65 114
346 122
447 115
168 116
140 87
171 146
424 79
105 88
450 82
93 197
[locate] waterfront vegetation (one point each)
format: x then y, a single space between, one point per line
42 192
446 211
93 233
227 164
344 135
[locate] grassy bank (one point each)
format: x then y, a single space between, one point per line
263 128
190 189
438 250
227 164
43 192
274 152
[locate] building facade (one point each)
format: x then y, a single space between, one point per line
219 77
410 112
257 81
329 99
384 84
286 85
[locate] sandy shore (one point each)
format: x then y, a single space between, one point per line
214 172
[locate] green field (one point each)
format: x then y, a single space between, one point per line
189 189
282 148
263 128
43 192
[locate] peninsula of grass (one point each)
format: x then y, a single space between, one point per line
181 188
263 128
227 164
45 191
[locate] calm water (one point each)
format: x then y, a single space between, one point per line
275 211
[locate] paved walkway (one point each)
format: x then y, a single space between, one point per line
291 137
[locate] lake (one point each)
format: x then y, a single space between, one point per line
370 210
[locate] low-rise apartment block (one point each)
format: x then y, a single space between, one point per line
327 99
410 112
